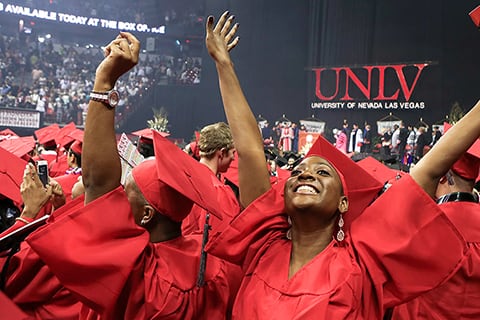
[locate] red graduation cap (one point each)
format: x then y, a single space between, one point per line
186 175
359 186
475 16
7 134
194 148
59 166
47 135
468 166
161 196
77 147
63 138
11 175
19 146
76 134
146 135
378 170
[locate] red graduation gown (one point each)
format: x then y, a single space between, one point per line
459 297
118 272
195 221
389 256
67 181
33 286
59 166
10 310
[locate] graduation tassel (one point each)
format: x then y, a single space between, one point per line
203 255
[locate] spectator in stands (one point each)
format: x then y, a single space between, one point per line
64 71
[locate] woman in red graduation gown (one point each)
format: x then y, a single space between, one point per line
130 259
322 268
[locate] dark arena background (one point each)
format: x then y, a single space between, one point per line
359 60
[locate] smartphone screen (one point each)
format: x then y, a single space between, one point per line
42 171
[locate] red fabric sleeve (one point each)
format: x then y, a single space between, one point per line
406 243
11 310
248 234
195 221
67 181
106 244
34 288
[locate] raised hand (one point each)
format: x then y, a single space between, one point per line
253 174
120 56
34 194
221 38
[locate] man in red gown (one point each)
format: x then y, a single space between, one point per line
216 152
458 297
131 260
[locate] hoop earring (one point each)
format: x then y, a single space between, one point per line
340 233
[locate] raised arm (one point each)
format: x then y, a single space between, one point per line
101 168
447 151
253 173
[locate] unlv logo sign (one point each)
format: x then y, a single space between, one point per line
373 83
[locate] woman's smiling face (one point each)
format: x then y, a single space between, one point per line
314 185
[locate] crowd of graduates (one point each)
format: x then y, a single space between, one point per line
210 233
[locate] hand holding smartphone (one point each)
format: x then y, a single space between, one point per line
42 171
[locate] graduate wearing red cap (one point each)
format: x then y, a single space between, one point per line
22 147
59 166
27 280
11 174
217 152
458 297
130 259
74 171
338 260
145 141
47 136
